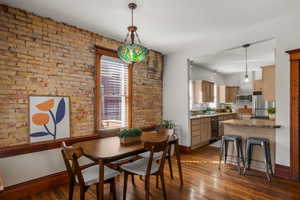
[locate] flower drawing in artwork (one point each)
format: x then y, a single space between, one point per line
42 119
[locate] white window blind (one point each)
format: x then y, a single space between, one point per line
113 93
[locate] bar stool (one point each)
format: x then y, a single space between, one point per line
264 143
238 146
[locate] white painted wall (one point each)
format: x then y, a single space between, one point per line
199 73
21 168
288 38
175 94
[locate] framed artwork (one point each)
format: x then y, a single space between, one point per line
49 118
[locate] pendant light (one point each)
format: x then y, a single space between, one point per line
131 52
246 78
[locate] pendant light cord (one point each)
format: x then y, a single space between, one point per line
246 62
131 16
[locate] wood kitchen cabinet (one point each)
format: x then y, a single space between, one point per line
268 88
203 91
258 85
228 94
201 132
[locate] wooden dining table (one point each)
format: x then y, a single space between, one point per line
106 150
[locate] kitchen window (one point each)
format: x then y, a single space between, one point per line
113 91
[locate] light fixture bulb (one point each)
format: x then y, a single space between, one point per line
246 78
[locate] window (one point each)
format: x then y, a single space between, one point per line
113 91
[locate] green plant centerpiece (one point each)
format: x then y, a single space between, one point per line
169 125
271 112
129 136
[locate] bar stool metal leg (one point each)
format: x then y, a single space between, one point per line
237 149
226 151
264 146
242 152
270 159
248 157
221 153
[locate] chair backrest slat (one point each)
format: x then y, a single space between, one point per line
154 147
71 155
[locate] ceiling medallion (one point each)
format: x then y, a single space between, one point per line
129 51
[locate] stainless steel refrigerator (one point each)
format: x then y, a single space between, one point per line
259 107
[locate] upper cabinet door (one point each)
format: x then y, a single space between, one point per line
228 94
258 85
208 93
203 91
197 91
268 77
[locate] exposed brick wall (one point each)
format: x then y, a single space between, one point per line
39 56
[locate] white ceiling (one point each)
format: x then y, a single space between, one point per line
231 61
164 25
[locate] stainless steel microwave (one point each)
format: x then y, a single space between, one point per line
244 98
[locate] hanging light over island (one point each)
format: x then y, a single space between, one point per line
130 52
246 78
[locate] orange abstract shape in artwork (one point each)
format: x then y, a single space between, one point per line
40 119
46 106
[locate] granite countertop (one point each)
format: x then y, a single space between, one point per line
210 115
256 123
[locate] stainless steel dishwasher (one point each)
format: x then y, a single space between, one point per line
214 128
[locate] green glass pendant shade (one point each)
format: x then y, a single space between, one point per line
131 53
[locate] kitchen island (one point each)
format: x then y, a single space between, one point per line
251 128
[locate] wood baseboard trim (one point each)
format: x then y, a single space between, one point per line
36 185
282 171
185 149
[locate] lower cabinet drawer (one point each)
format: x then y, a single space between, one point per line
196 133
196 140
195 122
196 127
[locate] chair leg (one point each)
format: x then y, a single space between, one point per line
163 186
97 190
170 167
132 179
125 185
82 191
237 149
147 187
157 184
71 189
113 189
221 153
170 163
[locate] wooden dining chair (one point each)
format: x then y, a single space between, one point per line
117 163
148 167
85 177
158 155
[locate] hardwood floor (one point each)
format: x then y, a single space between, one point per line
202 180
